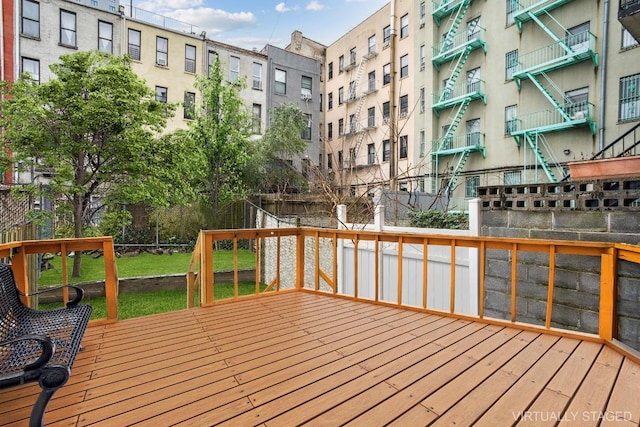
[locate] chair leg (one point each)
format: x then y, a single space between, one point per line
51 379
37 412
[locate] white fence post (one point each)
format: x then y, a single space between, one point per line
341 215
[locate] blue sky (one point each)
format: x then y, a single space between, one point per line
253 24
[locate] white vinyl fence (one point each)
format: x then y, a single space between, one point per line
438 268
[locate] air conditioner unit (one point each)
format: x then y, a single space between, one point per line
386 44
257 84
403 114
305 96
421 22
162 62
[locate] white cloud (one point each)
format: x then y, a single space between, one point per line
282 7
315 6
214 21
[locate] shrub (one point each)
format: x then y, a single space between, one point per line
439 219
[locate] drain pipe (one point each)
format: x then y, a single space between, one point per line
603 74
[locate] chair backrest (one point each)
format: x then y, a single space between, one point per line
10 302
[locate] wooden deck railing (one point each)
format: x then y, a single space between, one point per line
18 254
309 275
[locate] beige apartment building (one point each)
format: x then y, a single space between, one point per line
169 61
449 95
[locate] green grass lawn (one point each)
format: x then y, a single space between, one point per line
143 265
143 304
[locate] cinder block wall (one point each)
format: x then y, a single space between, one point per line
582 212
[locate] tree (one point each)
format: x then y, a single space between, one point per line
221 130
281 142
95 125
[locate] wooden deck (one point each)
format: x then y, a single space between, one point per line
299 358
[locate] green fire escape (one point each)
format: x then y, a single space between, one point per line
454 50
567 110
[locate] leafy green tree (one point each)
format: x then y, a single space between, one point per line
221 130
282 141
95 124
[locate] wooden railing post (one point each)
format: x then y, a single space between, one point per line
300 259
607 293
110 279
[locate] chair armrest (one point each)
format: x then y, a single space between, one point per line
72 303
48 348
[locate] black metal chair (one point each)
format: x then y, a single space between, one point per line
38 345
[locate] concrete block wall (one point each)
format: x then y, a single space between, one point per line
577 278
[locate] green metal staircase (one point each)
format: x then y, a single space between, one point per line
566 50
455 49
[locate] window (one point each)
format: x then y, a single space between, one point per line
352 90
510 120
352 123
386 112
404 26
371 117
578 37
330 100
423 56
447 138
474 137
256 119
105 37
628 41
257 76
340 127
404 66
473 29
471 185
134 44
473 80
234 68
512 178
386 150
422 100
340 95
31 67
68 28
423 144
162 51
386 74
211 59
189 105
340 64
577 103
423 10
340 160
330 161
280 82
386 36
161 94
629 98
371 79
404 146
30 18
306 132
189 58
330 131
371 154
352 57
305 86
330 72
511 64
372 45
512 8
404 105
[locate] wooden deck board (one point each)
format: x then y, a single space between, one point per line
299 358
